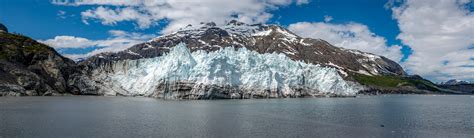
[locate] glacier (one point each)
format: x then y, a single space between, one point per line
225 73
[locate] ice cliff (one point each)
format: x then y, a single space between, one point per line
225 73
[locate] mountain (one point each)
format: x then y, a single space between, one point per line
236 60
458 85
455 82
262 39
154 69
30 68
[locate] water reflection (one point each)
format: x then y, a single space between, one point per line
400 115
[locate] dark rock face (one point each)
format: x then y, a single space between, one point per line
30 68
3 28
260 38
189 90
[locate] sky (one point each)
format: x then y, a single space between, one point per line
432 38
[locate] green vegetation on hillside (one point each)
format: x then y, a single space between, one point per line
13 44
385 81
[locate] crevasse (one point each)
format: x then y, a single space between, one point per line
240 68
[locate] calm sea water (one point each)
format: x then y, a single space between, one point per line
371 116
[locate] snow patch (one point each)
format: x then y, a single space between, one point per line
343 72
334 65
148 46
263 33
286 33
303 43
133 53
368 55
364 72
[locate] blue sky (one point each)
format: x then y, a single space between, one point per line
44 20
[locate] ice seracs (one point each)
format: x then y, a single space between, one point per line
225 73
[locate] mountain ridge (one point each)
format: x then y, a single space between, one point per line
286 65
458 85
263 39
455 82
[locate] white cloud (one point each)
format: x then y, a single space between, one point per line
61 14
68 42
112 16
178 13
327 18
301 2
351 36
119 40
441 35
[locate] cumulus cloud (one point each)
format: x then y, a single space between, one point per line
112 16
301 2
119 40
68 42
327 18
178 13
351 36
148 13
441 35
61 14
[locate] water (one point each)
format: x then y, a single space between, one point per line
371 116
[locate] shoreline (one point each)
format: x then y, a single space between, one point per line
304 97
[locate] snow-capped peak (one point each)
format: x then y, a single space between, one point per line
235 28
263 38
455 82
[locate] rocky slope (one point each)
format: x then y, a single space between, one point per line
31 68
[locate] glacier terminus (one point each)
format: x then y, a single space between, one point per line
225 73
